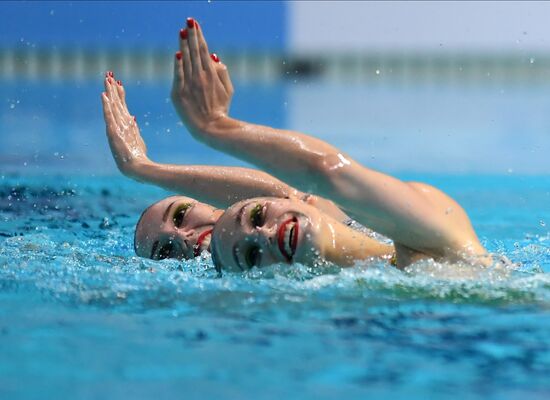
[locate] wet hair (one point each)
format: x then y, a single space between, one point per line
137 224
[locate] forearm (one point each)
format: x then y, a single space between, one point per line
292 157
219 186
309 164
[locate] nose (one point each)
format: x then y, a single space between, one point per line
184 238
186 233
266 235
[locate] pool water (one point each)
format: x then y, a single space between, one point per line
82 317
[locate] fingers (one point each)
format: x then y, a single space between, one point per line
109 100
120 92
193 41
223 75
122 96
109 122
178 82
117 97
114 101
185 53
203 50
117 103
107 112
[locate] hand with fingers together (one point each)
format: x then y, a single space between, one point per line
128 148
202 89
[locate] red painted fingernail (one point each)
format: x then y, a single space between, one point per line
119 83
135 119
190 23
108 74
111 74
110 80
183 34
215 57
196 25
178 55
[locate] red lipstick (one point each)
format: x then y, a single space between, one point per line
293 240
200 239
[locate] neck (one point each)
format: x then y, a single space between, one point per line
344 246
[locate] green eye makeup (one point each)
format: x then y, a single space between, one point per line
252 256
257 215
179 214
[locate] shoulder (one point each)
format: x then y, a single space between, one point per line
432 194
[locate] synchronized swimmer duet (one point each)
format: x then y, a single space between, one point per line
268 221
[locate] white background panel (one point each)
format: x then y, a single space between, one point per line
341 25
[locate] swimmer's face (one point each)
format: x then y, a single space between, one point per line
176 227
265 231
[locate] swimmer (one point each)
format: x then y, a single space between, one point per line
422 221
180 227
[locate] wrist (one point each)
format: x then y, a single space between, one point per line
137 168
218 125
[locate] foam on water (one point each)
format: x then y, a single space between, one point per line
66 251
103 271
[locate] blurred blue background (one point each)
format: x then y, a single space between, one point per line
403 86
141 24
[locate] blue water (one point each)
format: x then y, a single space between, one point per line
81 315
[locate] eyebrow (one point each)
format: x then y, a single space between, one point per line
154 249
167 211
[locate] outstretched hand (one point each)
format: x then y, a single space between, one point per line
202 89
128 148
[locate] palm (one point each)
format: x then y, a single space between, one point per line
202 89
125 139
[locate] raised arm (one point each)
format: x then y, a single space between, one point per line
219 186
201 94
414 215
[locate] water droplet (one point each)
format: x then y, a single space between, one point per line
542 223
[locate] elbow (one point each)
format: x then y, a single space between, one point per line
336 178
331 168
